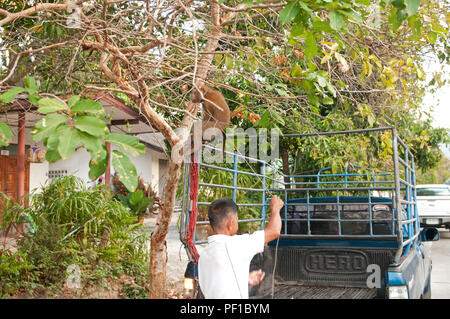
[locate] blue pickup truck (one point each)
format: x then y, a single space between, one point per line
343 236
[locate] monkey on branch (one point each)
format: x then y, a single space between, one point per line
216 113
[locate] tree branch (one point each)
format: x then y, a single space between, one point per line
35 9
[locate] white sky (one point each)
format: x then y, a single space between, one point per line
441 113
439 102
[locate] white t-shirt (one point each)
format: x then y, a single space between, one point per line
223 266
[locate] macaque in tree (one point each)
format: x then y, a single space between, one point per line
216 112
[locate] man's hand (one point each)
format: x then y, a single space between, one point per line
273 227
255 277
276 204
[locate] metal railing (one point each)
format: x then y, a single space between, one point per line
399 187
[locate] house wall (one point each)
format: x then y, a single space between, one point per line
143 164
38 175
78 165
147 165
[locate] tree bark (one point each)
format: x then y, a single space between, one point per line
158 246
286 170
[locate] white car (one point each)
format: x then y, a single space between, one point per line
433 203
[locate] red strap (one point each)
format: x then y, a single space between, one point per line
194 177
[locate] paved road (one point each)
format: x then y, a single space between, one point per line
440 275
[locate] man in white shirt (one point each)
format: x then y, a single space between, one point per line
224 264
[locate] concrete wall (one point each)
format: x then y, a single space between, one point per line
143 164
78 165
147 167
38 175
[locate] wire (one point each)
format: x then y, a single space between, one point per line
275 267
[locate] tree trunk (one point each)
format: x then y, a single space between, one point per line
286 170
158 246
298 179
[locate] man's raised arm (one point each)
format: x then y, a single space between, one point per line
273 228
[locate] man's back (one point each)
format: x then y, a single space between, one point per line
224 265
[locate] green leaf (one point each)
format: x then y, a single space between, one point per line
46 125
296 71
93 144
72 100
11 94
312 67
289 12
68 141
90 125
352 15
127 143
371 119
431 36
305 7
314 109
33 98
313 99
327 101
297 29
311 46
51 105
125 169
396 18
52 141
5 134
229 61
336 20
311 76
278 118
399 4
321 80
123 199
87 106
52 156
412 6
414 24
136 197
331 89
31 85
98 163
264 121
319 26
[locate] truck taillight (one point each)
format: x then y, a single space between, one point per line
398 292
381 208
188 287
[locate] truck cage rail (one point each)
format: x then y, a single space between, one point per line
405 220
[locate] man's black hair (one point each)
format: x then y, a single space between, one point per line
219 211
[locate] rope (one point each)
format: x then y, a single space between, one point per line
194 178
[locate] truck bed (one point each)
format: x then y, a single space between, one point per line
320 272
298 291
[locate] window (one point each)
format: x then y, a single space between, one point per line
433 191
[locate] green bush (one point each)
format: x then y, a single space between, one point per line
74 225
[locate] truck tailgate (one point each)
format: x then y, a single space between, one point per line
297 291
322 272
